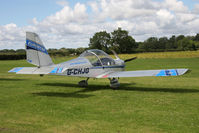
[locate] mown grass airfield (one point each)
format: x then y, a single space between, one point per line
30 103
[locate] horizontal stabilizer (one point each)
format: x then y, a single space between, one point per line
32 70
143 73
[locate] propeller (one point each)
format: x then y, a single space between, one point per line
127 60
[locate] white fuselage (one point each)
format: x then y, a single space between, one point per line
81 67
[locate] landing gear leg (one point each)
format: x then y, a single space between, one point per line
84 83
114 83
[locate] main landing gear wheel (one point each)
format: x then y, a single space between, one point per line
83 83
114 83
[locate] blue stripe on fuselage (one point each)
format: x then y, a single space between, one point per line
54 70
35 46
57 70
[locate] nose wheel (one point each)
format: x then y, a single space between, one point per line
114 83
83 83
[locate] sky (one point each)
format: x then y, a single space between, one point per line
71 23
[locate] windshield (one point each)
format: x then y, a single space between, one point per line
98 57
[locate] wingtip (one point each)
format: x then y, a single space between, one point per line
187 71
183 71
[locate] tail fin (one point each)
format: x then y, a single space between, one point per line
36 53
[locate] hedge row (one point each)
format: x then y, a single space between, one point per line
16 56
12 56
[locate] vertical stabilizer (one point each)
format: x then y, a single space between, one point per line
36 53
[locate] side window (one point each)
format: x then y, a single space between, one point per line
97 63
94 61
107 61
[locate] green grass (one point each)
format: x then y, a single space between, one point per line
30 103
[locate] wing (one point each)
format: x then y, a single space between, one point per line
143 73
36 70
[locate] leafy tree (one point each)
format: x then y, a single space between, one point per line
7 51
172 44
150 44
122 42
197 44
162 43
186 44
22 51
101 40
180 37
63 52
80 50
196 38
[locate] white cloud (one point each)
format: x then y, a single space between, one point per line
165 17
10 32
10 35
175 5
73 26
196 9
67 15
194 26
186 17
125 9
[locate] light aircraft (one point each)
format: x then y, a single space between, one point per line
92 63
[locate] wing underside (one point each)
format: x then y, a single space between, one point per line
143 73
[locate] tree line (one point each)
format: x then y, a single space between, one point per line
120 41
10 54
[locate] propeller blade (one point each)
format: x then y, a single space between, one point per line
127 60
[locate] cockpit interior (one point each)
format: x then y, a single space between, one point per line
98 57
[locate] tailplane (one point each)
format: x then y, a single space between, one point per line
36 53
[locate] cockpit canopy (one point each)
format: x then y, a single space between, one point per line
98 57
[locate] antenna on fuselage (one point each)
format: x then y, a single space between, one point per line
117 57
